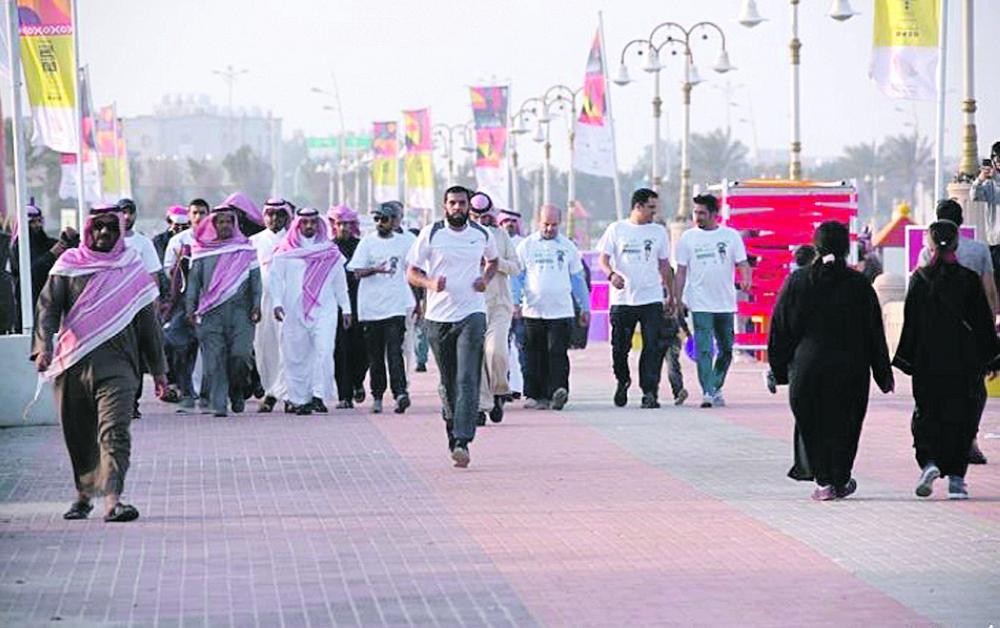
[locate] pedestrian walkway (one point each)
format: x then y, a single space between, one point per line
590 516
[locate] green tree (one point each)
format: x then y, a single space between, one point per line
716 156
249 173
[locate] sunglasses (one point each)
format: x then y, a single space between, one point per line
383 219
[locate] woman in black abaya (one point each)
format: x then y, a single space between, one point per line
826 341
948 345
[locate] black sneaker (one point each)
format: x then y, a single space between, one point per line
421 368
559 398
239 405
846 490
402 403
481 418
304 410
344 404
649 401
621 393
976 455
496 412
359 395
319 406
267 405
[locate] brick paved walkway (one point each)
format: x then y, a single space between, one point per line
592 516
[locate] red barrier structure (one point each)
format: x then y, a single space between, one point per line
774 218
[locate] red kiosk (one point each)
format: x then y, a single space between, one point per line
774 218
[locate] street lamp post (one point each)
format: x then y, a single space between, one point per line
336 106
840 10
680 39
229 75
445 134
532 109
562 97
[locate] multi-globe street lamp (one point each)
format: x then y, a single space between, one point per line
444 134
530 111
678 40
840 10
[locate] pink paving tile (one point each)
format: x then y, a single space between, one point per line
588 534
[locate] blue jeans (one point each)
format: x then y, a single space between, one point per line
458 351
707 325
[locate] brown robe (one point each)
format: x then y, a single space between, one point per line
95 397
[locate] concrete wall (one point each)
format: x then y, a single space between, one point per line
18 380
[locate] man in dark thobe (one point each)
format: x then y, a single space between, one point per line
44 250
223 302
350 355
99 298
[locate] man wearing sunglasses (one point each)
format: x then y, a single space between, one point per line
384 298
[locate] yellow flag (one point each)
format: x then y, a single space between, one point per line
905 56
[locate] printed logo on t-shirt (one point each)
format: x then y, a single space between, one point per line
721 246
633 251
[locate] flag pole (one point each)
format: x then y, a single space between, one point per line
80 201
20 183
941 77
619 213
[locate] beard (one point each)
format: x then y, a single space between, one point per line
457 220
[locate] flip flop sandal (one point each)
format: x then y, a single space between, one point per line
122 513
79 510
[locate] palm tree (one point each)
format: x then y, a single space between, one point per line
248 172
908 160
716 155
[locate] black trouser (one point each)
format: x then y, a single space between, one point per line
943 427
623 322
384 342
545 344
350 359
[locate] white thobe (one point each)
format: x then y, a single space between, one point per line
307 345
266 341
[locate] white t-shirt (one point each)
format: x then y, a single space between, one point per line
635 252
147 251
711 258
457 256
174 245
383 295
548 265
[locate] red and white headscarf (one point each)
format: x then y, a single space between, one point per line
237 257
118 288
320 256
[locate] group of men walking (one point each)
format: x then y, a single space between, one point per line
296 306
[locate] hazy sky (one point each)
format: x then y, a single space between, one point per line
389 55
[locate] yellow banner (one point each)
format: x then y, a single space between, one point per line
910 23
419 180
46 33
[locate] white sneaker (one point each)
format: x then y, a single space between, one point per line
926 485
718 401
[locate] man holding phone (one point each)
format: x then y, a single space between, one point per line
986 188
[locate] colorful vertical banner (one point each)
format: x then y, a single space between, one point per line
489 114
385 149
124 172
905 55
417 163
47 53
593 147
92 188
105 136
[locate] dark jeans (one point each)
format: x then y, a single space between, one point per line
517 331
384 341
545 344
623 322
706 326
350 360
181 348
458 351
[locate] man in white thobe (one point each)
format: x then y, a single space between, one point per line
266 342
307 285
